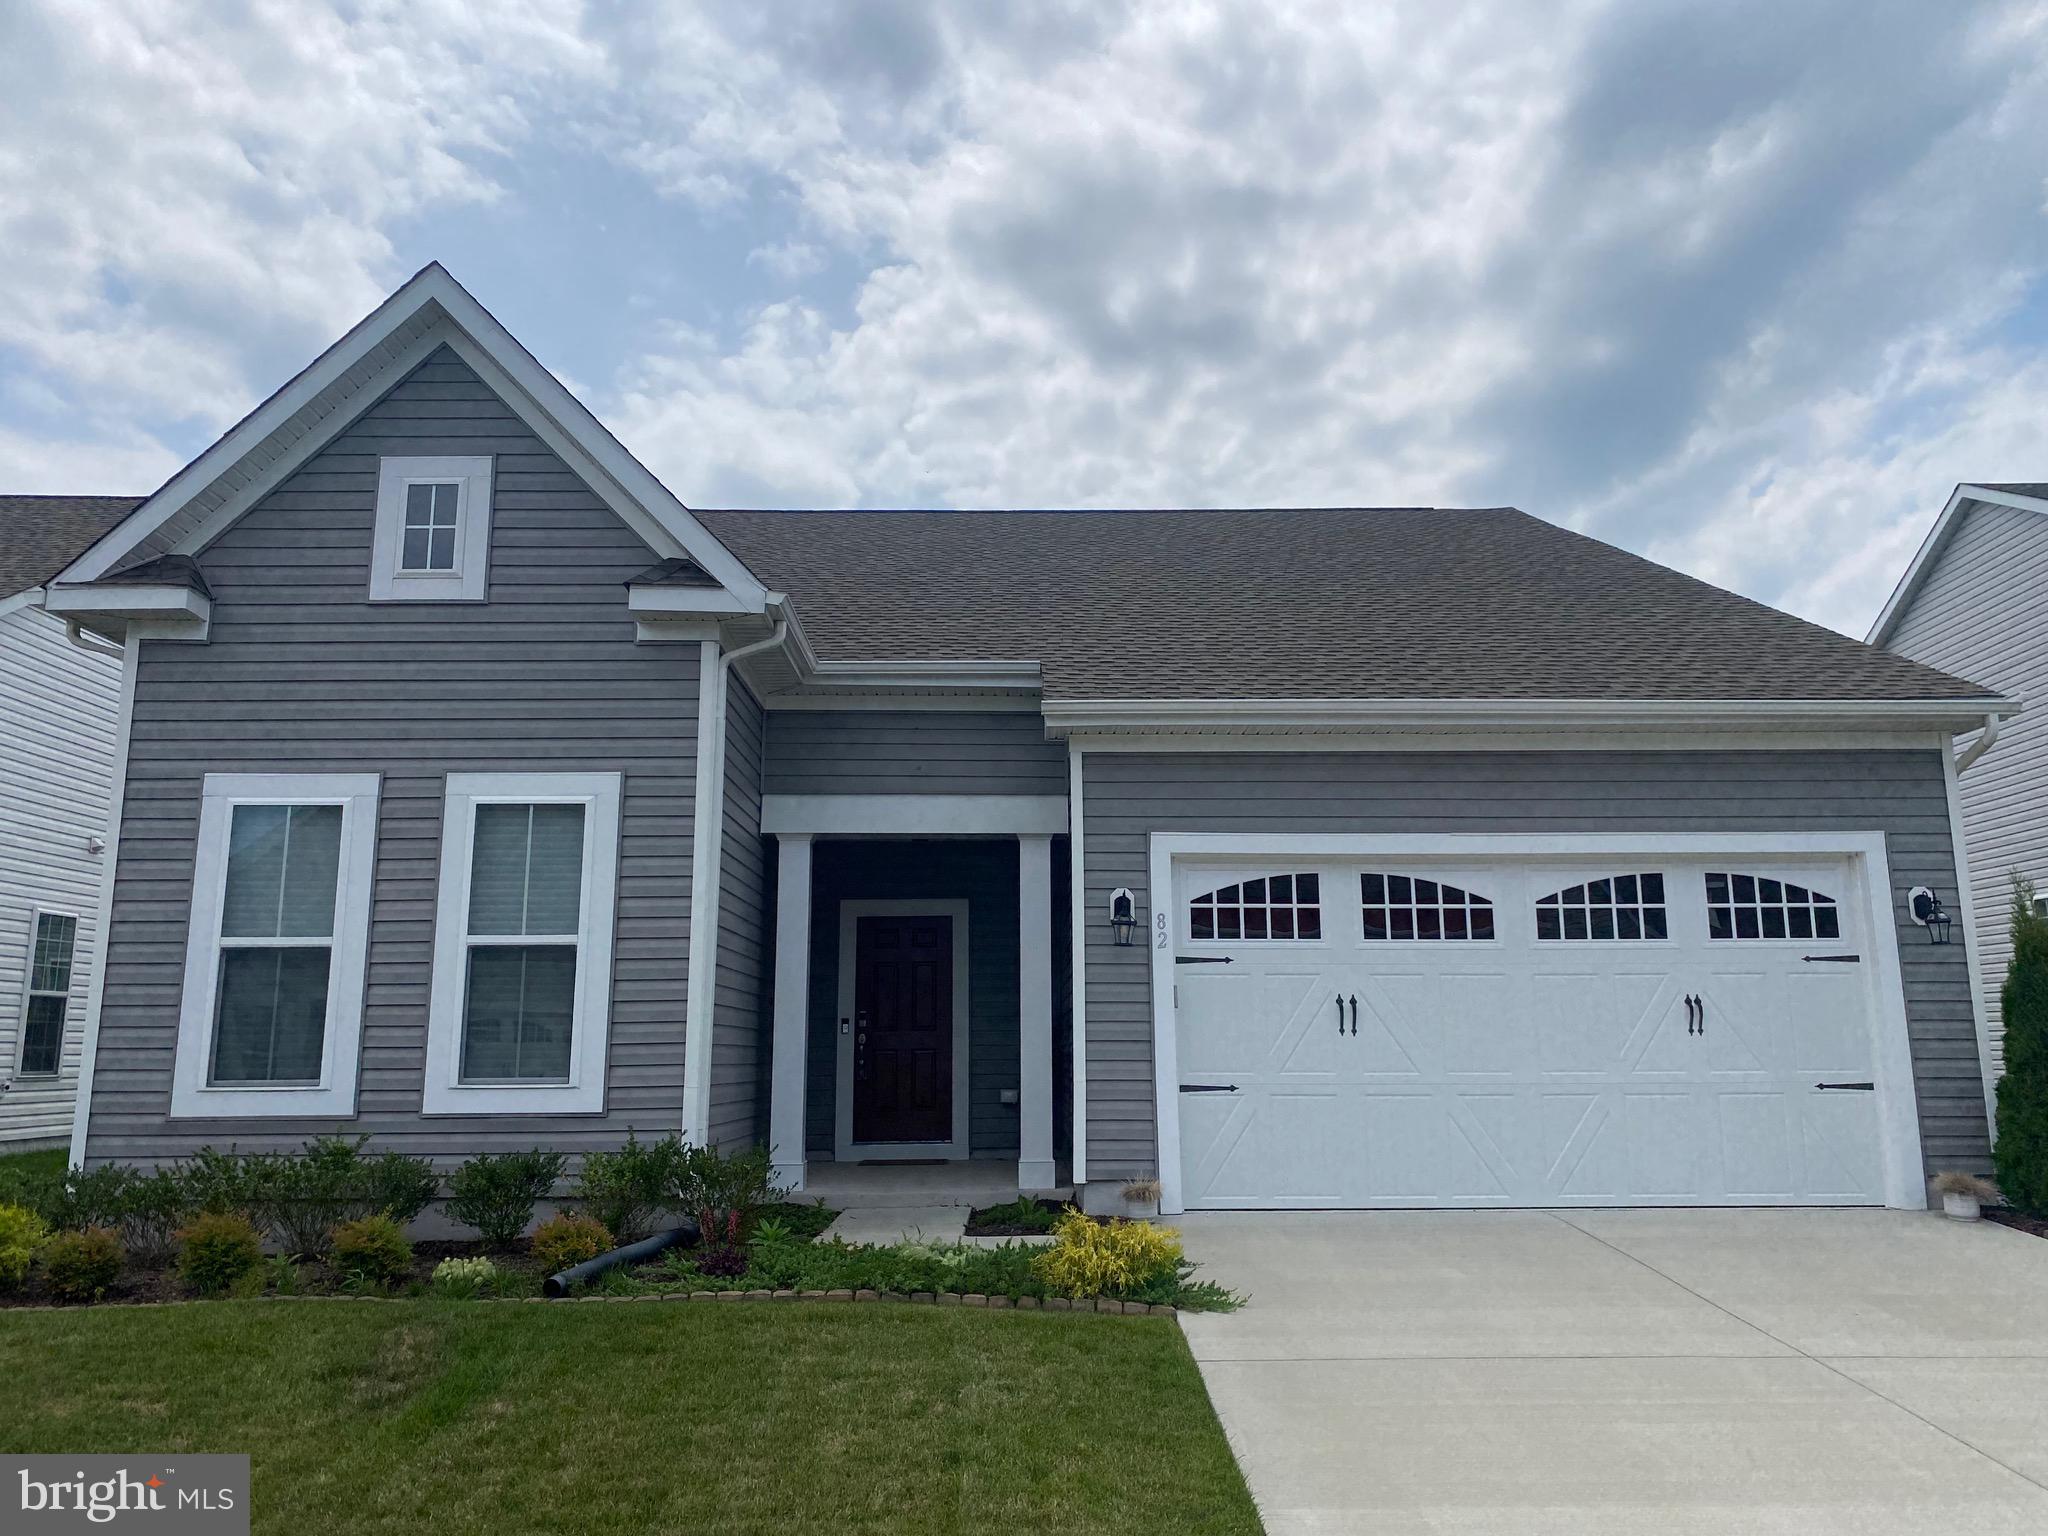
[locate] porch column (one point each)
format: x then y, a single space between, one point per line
1035 1168
792 1008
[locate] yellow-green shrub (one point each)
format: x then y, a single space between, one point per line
1092 1258
564 1241
22 1233
217 1250
371 1252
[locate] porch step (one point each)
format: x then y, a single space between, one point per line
915 1186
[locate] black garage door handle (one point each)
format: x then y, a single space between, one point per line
1208 1087
1852 1087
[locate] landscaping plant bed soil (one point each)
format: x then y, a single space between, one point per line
998 1220
2005 1216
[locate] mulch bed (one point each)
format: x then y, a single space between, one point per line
979 1226
2007 1217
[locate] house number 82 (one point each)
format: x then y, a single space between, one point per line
1159 927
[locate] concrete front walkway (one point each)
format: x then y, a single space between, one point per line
1588 1372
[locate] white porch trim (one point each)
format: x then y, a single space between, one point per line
1898 1111
786 1086
955 1147
1077 939
914 815
1035 1164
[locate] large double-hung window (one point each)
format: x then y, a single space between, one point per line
271 1020
523 941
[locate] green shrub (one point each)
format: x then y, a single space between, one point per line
153 1207
2021 1153
371 1251
465 1277
83 1265
624 1189
562 1241
1021 1212
398 1186
726 1192
219 1183
22 1235
497 1194
217 1250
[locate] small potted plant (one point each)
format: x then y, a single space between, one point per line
1963 1194
1141 1196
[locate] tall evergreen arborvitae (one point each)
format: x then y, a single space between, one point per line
2022 1152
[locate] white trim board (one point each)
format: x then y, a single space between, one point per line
1474 739
476 336
914 815
1924 558
193 1096
1898 1105
844 1148
1077 942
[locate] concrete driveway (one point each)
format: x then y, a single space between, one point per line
1587 1372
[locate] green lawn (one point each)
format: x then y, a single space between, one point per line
662 1416
32 1164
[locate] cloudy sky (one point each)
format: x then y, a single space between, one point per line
1744 287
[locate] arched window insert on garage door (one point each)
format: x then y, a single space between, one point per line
1272 907
1405 907
1752 907
1616 907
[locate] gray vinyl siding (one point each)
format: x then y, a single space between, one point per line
902 752
984 873
739 1008
302 674
1901 793
59 708
1982 613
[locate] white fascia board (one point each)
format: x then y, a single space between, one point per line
169 603
685 602
1063 717
1931 547
29 597
621 479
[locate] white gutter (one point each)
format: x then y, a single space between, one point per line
707 872
1986 738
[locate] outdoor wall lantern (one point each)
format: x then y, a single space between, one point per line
1123 916
1930 914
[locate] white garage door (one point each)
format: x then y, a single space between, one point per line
1399 1032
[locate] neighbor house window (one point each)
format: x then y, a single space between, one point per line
276 952
1613 907
1407 907
52 936
1271 907
522 954
1753 907
433 530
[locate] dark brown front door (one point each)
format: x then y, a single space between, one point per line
903 1029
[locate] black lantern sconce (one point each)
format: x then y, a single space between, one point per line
1930 914
1123 916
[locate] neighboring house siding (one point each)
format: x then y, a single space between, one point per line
59 707
1982 613
1129 796
985 874
895 752
303 674
739 1009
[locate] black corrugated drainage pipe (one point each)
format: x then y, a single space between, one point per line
565 1282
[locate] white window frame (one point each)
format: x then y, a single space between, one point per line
192 1096
29 994
469 581
583 1094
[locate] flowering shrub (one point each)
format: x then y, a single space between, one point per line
80 1266
1093 1258
564 1241
465 1277
22 1233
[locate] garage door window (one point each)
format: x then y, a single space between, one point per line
1752 907
1404 907
1617 907
1272 907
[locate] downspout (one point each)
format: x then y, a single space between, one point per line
707 877
1986 738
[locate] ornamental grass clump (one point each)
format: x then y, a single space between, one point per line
22 1235
82 1266
562 1242
1129 1259
2021 1152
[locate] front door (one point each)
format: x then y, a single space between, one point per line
903 1029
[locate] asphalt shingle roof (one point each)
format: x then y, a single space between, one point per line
1381 602
40 535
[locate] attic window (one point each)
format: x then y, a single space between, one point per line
433 531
